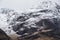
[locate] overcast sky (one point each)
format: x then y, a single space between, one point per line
20 4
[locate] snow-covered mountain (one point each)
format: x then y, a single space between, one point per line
25 23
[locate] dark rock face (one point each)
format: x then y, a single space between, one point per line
46 10
22 18
17 26
47 23
26 30
53 24
4 36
